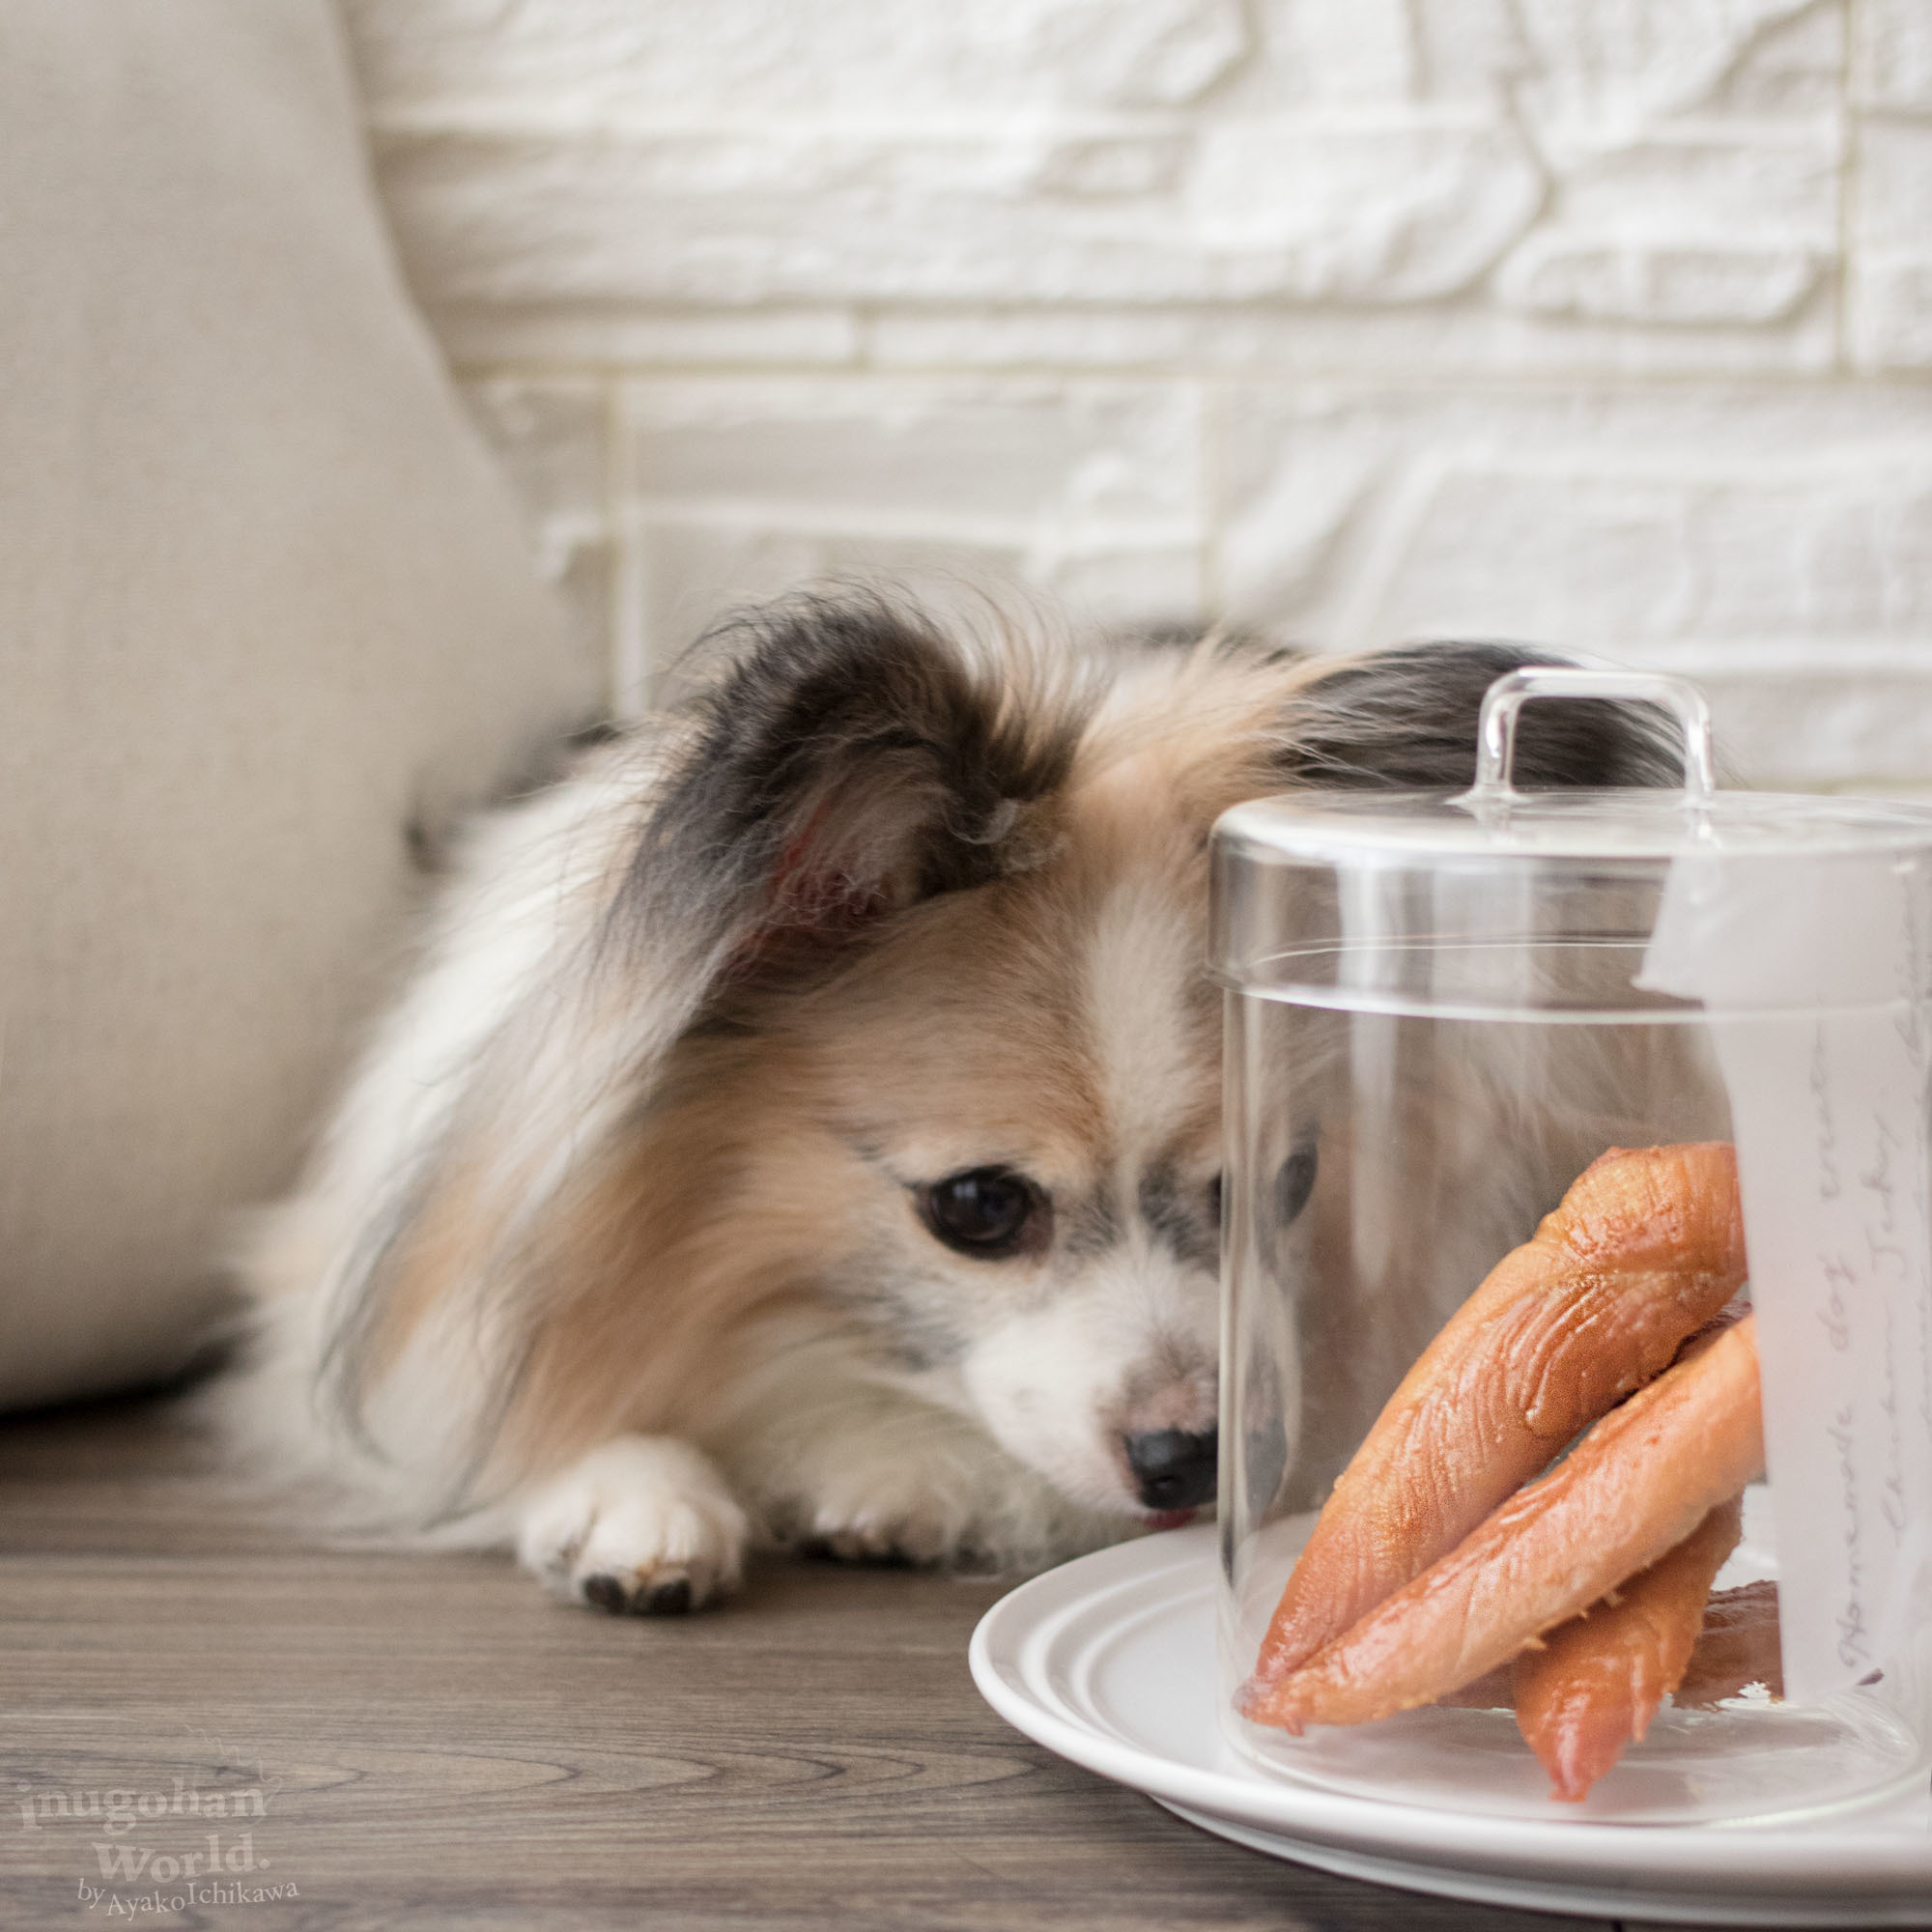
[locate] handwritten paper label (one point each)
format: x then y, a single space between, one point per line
1814 970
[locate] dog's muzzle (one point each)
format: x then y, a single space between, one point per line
1172 1468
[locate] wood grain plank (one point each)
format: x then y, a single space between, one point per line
437 1744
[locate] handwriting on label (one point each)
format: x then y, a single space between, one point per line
1813 972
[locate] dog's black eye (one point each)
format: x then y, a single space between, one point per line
1294 1184
1214 1200
988 1211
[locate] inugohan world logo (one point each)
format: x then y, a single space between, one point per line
163 1851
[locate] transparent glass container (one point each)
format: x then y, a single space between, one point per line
1439 1010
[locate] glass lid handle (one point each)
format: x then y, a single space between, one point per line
1503 702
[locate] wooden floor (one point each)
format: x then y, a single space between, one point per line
431 1741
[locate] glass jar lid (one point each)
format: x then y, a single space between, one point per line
1493 820
1576 901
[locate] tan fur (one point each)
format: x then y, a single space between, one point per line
714 1215
627 1243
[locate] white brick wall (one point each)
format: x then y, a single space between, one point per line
1604 321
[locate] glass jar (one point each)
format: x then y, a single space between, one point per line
1440 1009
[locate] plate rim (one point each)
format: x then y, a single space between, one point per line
1877 1854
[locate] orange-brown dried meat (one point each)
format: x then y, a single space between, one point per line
1592 1684
1643 1479
1644 1249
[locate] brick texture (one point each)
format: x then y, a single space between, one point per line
1603 322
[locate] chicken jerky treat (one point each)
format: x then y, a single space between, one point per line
1591 1686
1645 1249
1635 1488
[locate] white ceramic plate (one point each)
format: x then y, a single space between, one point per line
1109 1661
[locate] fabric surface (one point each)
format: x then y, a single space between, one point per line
264 607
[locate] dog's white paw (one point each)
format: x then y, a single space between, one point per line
908 1508
644 1525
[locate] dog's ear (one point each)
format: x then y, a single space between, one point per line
850 763
1405 719
847 764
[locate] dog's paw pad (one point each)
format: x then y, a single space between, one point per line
605 1593
662 1596
642 1526
893 1528
846 1549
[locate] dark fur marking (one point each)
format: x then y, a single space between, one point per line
914 1338
1180 1216
849 764
1091 1227
1406 720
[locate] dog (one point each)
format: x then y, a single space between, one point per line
805 1125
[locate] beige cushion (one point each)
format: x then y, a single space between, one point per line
262 602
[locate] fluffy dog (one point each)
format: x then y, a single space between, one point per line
805 1123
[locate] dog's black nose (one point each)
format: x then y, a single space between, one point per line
1172 1470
